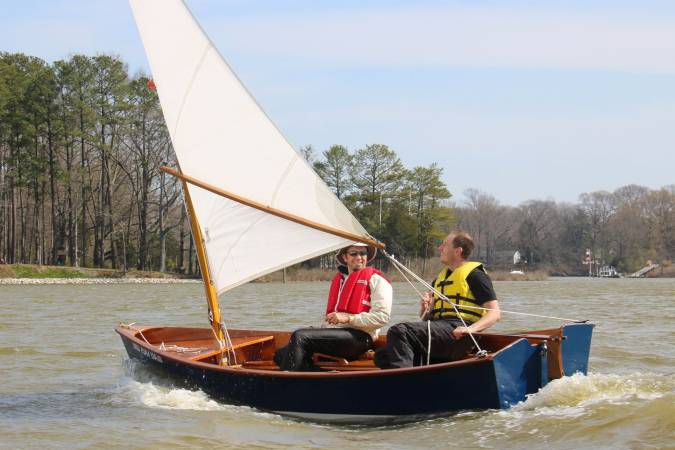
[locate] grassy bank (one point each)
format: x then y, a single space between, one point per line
36 271
293 274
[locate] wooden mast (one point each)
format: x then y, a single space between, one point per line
275 212
211 295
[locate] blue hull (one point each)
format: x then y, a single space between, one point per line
497 381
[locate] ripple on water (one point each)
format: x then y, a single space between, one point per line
64 383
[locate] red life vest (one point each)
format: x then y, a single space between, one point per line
354 292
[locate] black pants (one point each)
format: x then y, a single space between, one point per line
407 344
346 343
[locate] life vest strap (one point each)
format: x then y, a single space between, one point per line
454 297
450 312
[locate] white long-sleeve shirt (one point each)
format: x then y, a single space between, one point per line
381 295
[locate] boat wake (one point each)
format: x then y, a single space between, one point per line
592 410
574 394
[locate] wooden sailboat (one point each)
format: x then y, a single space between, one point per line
255 207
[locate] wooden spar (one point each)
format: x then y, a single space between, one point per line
211 295
273 211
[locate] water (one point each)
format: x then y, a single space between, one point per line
66 381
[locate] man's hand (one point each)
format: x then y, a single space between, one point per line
336 318
425 303
458 332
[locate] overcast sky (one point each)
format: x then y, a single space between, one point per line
520 99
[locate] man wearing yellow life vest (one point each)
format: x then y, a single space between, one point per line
359 304
470 289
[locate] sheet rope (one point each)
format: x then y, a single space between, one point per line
400 266
480 353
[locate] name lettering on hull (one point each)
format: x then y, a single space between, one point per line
147 353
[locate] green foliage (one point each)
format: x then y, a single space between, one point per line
335 169
30 271
403 208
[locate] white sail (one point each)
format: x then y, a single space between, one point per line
222 137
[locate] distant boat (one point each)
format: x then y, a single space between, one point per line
608 272
517 272
255 207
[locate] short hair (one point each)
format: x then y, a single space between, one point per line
462 239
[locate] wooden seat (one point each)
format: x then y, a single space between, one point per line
364 361
237 344
325 362
358 364
266 364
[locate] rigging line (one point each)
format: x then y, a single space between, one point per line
221 345
230 345
480 353
428 286
422 316
428 341
410 282
140 332
225 345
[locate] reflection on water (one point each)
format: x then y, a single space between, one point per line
67 382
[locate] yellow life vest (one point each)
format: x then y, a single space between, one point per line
454 286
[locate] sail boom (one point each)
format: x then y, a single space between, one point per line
273 211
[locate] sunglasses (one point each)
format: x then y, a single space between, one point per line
354 254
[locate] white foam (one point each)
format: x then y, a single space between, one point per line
566 400
570 395
154 396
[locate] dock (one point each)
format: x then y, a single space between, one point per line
644 271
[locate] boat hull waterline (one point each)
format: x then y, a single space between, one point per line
505 377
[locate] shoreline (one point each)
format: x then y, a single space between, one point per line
38 281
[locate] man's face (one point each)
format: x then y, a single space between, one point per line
449 254
356 258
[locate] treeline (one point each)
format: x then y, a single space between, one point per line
411 212
80 147
625 228
81 143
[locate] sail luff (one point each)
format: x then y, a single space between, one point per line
273 211
223 138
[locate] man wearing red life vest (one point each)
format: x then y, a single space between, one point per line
359 304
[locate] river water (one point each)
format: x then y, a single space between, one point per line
67 382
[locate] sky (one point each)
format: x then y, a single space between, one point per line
522 100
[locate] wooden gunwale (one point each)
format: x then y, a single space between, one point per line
528 336
130 333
